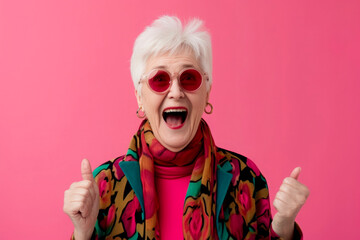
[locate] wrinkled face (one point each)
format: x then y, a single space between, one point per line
175 115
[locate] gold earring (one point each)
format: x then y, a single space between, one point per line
138 113
211 108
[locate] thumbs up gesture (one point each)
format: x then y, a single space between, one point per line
288 201
81 203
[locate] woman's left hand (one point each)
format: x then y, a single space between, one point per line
288 201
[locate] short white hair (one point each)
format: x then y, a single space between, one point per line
168 35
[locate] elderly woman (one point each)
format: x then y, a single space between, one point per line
174 182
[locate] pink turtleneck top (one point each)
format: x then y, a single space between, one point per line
171 186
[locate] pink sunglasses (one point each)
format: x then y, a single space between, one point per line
160 80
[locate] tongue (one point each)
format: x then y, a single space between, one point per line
173 121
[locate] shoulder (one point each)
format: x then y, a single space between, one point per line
244 172
110 169
238 162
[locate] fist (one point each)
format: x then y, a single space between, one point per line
81 203
288 201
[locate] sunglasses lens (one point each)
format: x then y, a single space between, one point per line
160 81
190 80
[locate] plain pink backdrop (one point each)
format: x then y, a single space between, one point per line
286 93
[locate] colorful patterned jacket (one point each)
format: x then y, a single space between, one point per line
242 201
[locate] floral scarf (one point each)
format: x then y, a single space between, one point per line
199 206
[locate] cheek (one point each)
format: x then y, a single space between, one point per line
151 110
151 106
198 106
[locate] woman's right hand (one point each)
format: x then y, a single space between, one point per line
81 203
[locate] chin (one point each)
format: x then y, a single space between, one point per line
176 143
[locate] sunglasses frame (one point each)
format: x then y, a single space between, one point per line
178 74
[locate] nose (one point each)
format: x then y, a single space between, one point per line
175 90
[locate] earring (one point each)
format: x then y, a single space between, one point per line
211 108
138 113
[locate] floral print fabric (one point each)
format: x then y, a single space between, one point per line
227 196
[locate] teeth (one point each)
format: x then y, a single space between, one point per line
175 110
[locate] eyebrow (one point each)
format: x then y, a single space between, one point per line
183 66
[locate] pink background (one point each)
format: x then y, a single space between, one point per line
286 93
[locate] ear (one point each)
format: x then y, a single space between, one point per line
208 94
138 98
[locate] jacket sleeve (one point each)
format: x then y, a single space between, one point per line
105 177
298 235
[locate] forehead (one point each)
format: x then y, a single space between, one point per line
173 61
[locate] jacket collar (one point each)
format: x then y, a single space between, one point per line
224 177
131 170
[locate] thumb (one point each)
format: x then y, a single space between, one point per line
86 171
295 173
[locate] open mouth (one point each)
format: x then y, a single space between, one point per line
175 117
